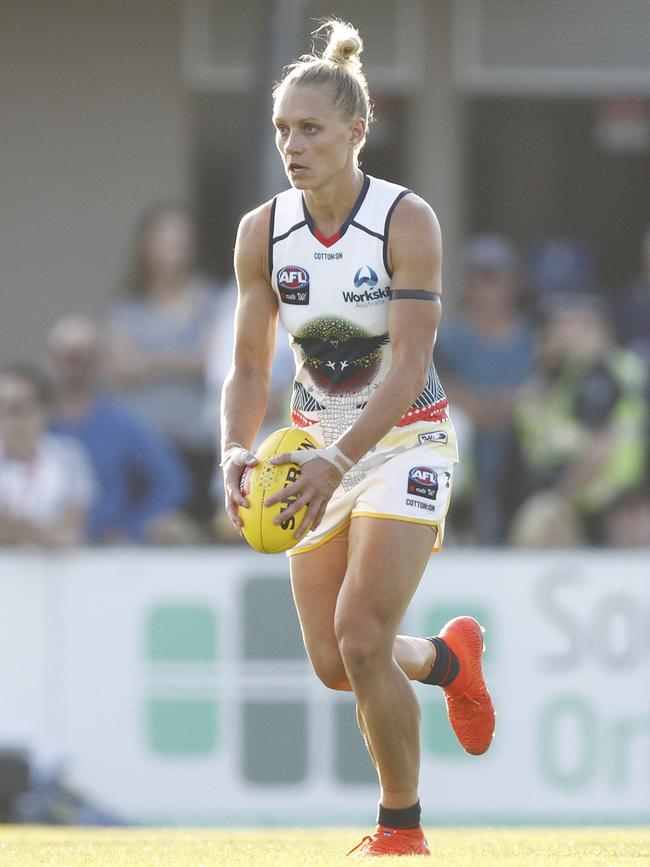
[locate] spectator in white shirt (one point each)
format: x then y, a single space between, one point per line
46 482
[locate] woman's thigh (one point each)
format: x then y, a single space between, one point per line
385 562
316 578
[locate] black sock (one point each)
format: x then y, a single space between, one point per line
446 666
406 817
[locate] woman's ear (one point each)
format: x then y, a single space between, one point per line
357 132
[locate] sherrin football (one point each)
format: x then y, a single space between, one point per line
261 481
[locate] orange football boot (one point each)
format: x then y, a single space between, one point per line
469 705
393 841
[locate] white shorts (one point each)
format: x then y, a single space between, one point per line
413 486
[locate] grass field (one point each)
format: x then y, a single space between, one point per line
469 847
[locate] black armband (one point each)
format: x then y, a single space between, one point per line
414 294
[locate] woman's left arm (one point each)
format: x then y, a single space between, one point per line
415 256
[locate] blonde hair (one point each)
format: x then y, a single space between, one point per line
339 66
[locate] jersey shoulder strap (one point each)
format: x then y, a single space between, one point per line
287 214
377 207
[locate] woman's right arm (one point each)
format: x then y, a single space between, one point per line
246 388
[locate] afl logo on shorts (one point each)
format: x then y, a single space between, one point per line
365 276
423 482
293 285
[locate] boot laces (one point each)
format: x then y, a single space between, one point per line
359 845
377 843
464 696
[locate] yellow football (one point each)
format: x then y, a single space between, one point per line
261 481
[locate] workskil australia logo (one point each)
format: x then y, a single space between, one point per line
366 277
293 285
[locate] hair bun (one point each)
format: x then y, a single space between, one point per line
344 44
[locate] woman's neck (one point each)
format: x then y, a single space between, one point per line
330 205
169 286
494 323
73 404
23 451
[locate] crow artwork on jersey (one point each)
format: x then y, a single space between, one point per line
341 357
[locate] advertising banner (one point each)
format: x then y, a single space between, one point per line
174 686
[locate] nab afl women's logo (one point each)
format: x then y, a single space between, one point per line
423 482
293 285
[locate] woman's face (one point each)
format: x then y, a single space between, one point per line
22 416
169 243
316 143
492 290
573 334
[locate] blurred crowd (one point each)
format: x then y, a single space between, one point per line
548 380
115 440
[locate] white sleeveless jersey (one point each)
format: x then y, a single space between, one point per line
333 296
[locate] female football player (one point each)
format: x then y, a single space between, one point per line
352 264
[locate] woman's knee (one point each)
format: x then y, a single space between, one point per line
329 669
364 643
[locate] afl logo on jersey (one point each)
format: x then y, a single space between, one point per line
293 285
423 482
365 276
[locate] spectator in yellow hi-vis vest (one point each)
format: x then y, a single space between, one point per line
580 426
